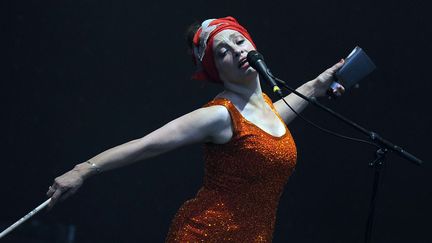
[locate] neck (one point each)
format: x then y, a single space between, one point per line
248 92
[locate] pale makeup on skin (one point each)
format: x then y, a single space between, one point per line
230 51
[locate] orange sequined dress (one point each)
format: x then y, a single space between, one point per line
243 182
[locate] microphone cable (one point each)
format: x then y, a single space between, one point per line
318 126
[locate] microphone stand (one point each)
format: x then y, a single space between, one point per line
384 146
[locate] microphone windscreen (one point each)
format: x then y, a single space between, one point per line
253 56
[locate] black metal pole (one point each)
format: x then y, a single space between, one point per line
380 142
377 165
372 135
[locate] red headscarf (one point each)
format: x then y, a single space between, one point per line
203 46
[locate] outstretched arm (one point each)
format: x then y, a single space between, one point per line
314 88
201 125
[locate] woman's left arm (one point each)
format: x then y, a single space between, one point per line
315 88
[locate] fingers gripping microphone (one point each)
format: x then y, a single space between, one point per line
256 60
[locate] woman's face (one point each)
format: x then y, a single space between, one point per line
230 49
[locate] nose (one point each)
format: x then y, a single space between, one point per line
238 51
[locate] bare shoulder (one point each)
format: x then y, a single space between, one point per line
218 121
222 130
213 115
206 124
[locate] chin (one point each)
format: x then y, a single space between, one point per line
251 70
245 76
250 73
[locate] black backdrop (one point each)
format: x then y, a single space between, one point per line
83 76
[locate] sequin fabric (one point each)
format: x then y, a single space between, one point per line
244 179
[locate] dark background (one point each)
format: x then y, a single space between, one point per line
83 76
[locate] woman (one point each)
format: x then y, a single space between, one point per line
249 151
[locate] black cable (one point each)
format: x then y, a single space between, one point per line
321 128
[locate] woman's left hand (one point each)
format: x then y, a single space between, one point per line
322 83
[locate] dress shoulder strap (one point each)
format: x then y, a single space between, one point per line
234 113
268 100
270 103
237 118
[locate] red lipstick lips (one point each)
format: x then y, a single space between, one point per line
242 62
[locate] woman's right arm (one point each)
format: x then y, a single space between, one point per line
201 125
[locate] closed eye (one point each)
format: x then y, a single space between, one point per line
222 52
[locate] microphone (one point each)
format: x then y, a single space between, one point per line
256 60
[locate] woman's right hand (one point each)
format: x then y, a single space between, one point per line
65 185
